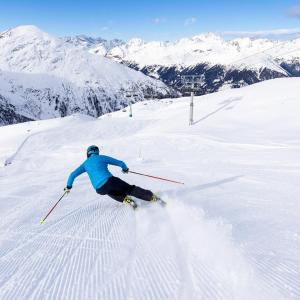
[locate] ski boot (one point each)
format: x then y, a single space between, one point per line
128 200
155 198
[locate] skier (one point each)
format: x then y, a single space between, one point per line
107 184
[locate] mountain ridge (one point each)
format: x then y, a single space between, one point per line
221 63
43 77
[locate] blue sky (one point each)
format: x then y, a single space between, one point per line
152 20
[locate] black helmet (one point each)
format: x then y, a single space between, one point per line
92 150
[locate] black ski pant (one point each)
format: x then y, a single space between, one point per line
118 189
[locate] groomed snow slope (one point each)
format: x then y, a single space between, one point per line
232 232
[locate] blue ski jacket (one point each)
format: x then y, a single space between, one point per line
97 168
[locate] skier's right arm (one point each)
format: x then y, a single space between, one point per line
116 162
75 174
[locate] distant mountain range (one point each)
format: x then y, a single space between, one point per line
44 77
99 45
221 64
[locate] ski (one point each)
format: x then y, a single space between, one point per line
133 205
162 202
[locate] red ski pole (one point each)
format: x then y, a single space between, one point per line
43 220
156 177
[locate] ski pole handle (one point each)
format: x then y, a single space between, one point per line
44 219
160 178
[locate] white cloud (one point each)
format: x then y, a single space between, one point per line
190 21
262 33
294 12
159 20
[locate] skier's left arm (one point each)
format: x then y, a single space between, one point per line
75 174
116 162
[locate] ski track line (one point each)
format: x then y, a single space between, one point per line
164 274
91 284
71 261
8 241
63 218
90 242
66 288
290 269
206 288
120 275
209 284
19 256
284 282
32 235
130 260
15 266
155 271
223 287
147 268
189 285
11 158
160 273
39 245
214 282
149 249
28 236
290 287
164 235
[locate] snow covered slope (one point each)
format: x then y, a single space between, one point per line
43 77
232 232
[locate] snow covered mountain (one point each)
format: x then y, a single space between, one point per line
223 64
97 45
231 232
45 77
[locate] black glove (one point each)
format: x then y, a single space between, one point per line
125 171
67 189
